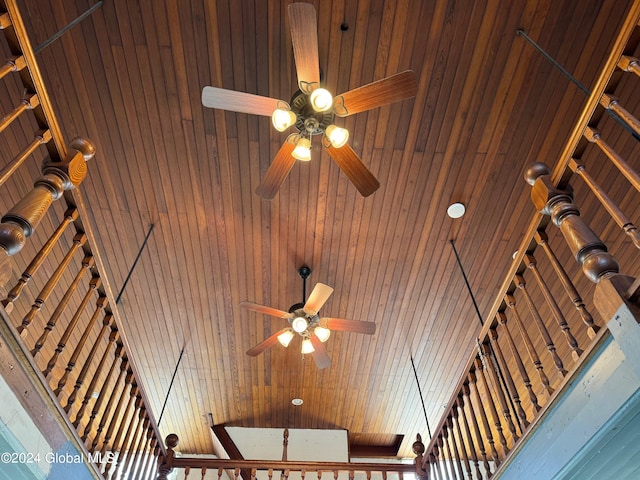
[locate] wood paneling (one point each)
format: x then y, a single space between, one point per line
130 77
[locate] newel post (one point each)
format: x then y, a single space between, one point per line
165 466
587 248
617 296
418 450
57 176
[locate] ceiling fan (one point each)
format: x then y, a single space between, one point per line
312 109
304 320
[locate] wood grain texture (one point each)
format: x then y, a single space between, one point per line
487 105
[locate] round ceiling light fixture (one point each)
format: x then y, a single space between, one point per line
456 210
297 402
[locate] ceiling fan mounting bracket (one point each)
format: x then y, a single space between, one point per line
304 272
308 120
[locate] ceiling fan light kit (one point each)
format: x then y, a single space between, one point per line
313 109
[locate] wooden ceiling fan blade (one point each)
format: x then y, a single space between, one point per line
265 344
277 171
382 92
274 312
304 37
343 325
213 97
352 166
319 295
319 354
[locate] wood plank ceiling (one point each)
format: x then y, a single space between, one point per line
129 77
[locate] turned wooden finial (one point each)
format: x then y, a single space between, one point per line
557 202
166 461
418 449
418 446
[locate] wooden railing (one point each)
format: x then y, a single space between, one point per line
57 307
270 469
535 340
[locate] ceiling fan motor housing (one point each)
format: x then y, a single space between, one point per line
308 120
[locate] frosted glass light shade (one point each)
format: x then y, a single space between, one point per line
337 136
302 150
322 333
307 346
299 324
321 100
285 338
282 119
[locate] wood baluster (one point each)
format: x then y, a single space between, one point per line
487 357
150 456
87 264
41 137
621 164
469 436
531 351
203 473
629 64
62 343
127 444
100 305
511 387
69 216
570 289
92 385
186 472
103 391
442 463
88 363
285 474
254 473
107 410
136 458
368 474
78 241
449 450
585 245
123 422
520 283
269 473
553 306
134 445
236 473
480 367
26 103
115 417
483 414
15 63
351 474
433 469
515 353
612 103
614 211
466 391
153 460
460 444
57 176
